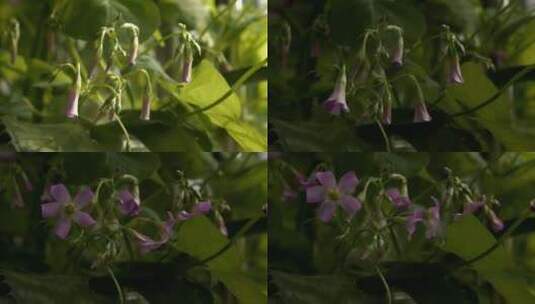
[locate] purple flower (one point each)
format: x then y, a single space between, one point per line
145 108
420 113
337 103
199 209
128 203
495 222
433 224
186 69
455 75
146 244
399 201
67 210
470 208
304 181
429 217
416 216
330 195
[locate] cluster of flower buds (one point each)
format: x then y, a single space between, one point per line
187 48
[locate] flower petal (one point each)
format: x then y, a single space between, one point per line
125 196
326 211
84 219
348 182
315 194
415 217
60 193
63 227
83 197
202 207
350 204
327 179
50 209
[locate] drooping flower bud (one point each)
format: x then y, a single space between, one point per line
455 75
495 222
420 113
74 95
420 110
337 103
397 52
145 109
387 109
135 42
186 68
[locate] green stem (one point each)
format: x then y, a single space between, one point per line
385 136
385 283
117 286
123 128
232 241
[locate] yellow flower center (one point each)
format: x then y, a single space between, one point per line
69 209
333 194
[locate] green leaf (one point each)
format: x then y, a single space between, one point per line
227 266
207 87
497 267
249 139
82 19
62 137
53 289
496 117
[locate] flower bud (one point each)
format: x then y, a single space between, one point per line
74 95
134 52
420 113
495 222
186 68
454 71
145 109
387 112
397 53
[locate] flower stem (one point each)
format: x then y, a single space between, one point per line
385 136
385 283
117 286
232 241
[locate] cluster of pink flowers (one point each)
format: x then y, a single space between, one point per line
60 206
322 188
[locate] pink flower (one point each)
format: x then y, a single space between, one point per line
399 201
128 203
336 103
67 210
330 194
146 244
430 218
198 209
